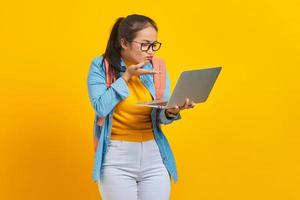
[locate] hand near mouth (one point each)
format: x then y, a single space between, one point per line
136 70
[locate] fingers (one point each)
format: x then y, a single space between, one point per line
141 71
145 71
141 64
188 104
174 110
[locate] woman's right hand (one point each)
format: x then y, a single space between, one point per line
136 70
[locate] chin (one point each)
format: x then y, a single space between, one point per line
139 61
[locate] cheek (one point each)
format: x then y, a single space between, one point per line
138 56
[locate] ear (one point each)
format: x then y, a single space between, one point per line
124 44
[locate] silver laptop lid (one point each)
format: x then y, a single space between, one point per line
194 84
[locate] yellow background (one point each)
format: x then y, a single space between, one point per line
242 144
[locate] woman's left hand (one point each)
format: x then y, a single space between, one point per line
188 104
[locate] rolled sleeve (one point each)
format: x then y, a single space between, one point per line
166 120
120 86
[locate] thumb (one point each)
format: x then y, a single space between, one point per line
141 64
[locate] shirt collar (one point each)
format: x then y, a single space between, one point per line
123 62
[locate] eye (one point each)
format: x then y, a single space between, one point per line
145 46
156 46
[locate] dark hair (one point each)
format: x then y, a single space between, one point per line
125 28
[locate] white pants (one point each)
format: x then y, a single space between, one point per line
134 171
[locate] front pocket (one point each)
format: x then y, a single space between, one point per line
114 143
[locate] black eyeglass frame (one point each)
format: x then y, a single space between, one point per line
150 45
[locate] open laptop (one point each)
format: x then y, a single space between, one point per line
194 84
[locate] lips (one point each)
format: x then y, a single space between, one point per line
149 57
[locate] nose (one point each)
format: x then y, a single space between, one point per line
150 52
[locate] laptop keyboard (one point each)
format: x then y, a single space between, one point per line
159 103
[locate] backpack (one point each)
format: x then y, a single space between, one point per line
159 84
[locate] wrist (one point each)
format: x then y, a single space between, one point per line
125 77
170 115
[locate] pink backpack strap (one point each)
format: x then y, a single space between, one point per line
109 78
108 74
160 78
159 82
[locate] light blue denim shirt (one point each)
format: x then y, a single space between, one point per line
105 99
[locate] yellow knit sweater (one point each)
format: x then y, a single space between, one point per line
131 122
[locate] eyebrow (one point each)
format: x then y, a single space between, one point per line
149 41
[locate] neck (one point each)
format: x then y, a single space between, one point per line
128 63
126 60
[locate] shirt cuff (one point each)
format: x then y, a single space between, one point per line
166 120
121 87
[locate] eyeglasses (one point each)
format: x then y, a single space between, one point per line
146 46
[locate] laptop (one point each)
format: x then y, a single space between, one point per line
193 84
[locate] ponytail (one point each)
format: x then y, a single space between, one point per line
113 48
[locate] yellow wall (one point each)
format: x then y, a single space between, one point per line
242 144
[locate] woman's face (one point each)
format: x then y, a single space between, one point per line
132 53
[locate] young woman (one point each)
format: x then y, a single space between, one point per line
133 159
